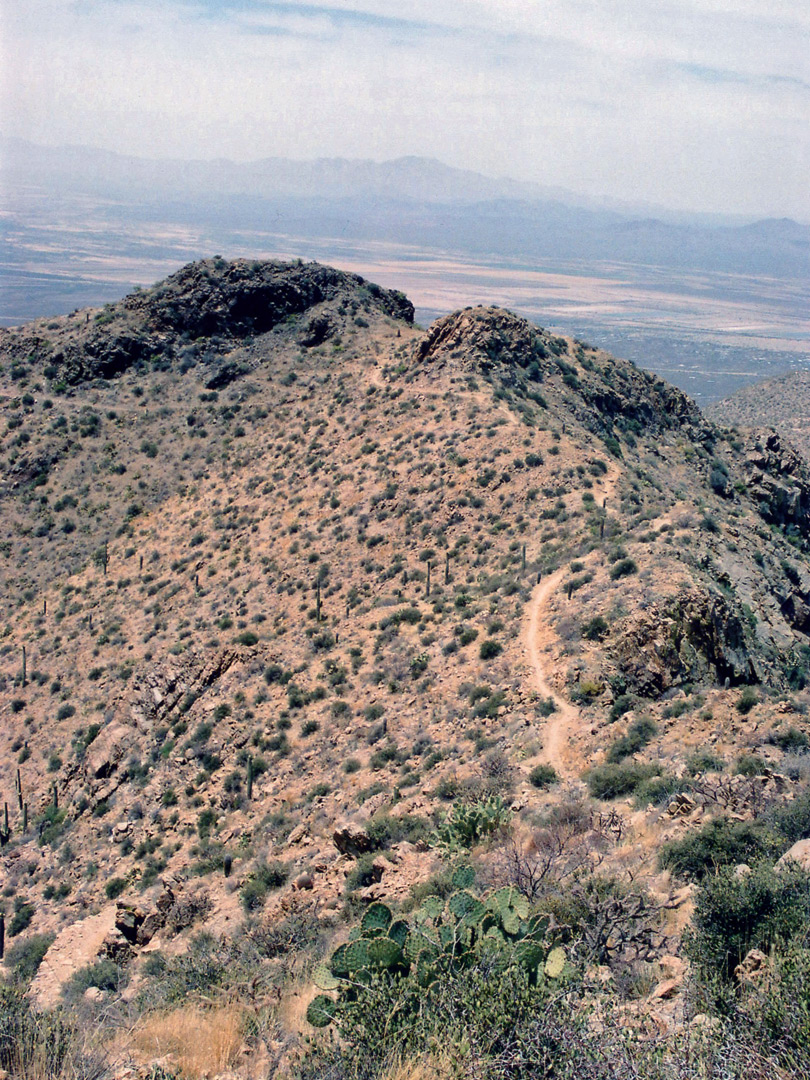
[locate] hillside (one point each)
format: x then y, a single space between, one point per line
289 580
783 403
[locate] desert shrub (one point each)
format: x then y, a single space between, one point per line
623 704
703 761
638 735
750 765
719 843
659 789
114 887
543 776
791 738
765 909
104 974
776 1013
23 914
264 877
595 630
792 820
622 568
490 649
611 781
34 1044
385 829
747 700
24 957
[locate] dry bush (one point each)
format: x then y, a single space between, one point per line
200 1042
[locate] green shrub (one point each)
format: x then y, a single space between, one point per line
543 776
114 887
611 781
24 957
703 761
659 789
790 738
490 649
719 843
34 1044
622 568
747 700
765 909
265 876
104 974
750 765
623 704
638 735
21 919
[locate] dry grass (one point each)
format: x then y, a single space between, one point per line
197 1041
423 1068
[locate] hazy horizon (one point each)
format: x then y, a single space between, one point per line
705 109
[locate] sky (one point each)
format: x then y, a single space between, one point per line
691 104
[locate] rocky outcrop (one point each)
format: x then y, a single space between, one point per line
693 637
219 301
778 481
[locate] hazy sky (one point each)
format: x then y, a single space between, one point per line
701 104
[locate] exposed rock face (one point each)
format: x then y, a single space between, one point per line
484 338
778 479
214 299
351 839
695 636
624 398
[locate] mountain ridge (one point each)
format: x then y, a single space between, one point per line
279 608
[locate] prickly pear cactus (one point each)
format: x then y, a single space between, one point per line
440 940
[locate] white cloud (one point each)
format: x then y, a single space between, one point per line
703 105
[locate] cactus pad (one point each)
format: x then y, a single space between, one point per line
555 962
460 903
320 1011
463 878
324 979
338 965
356 955
398 932
377 917
383 952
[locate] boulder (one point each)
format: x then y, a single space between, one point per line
799 855
351 839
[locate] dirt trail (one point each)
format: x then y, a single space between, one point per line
565 716
538 636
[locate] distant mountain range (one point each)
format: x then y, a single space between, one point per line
411 200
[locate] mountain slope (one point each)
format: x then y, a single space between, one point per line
277 564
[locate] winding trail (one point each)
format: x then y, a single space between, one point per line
537 635
565 716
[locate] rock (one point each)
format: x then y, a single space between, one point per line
799 855
742 870
106 751
682 805
128 919
753 967
682 896
74 948
297 835
351 839
666 989
94 994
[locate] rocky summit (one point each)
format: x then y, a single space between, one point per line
442 689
